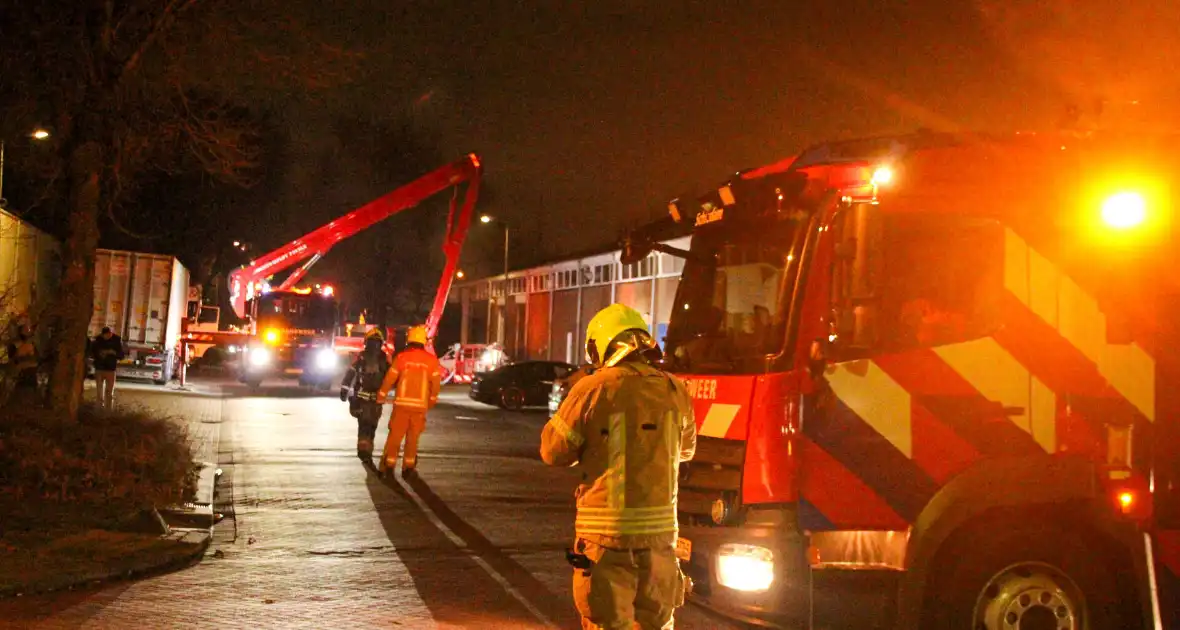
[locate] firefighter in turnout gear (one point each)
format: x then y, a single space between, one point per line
363 381
415 380
628 427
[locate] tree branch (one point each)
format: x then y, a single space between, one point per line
161 25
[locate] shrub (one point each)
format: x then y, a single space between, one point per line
97 472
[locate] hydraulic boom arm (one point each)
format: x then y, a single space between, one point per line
246 281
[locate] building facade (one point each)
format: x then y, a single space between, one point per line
542 312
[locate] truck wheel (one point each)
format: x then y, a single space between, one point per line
512 398
1030 576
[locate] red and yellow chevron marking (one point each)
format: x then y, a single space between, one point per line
721 404
1062 304
944 408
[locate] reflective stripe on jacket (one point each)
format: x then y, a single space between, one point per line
628 428
417 377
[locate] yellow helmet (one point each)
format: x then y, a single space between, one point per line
375 333
417 334
608 327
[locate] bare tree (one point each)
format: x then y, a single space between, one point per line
135 86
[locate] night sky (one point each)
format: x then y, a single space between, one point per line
591 115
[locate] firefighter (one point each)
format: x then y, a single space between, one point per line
363 380
415 379
628 426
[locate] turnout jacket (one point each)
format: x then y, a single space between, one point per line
627 428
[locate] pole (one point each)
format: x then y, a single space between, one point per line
1 173
505 252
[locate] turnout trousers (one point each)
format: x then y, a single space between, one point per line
405 423
366 426
628 588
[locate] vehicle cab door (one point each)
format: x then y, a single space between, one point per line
909 384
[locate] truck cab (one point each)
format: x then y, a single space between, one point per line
295 334
930 371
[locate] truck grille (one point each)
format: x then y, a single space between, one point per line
714 473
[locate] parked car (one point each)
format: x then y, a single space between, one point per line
519 385
561 387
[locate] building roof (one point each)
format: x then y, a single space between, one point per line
662 230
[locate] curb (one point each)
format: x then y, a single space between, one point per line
200 539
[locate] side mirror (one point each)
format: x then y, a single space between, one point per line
856 327
635 250
817 359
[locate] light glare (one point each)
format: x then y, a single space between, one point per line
745 567
883 175
1124 210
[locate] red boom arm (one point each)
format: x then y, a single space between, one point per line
246 281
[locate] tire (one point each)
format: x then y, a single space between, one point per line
1037 573
253 383
512 399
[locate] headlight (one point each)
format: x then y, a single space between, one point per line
259 357
325 359
745 567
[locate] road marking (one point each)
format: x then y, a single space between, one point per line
462 544
466 418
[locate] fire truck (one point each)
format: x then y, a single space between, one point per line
293 330
295 333
935 383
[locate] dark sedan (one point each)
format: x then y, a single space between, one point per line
562 386
519 385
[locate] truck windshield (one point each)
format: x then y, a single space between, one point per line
732 312
311 312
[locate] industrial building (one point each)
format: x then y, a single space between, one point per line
542 312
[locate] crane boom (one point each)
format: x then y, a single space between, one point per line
246 281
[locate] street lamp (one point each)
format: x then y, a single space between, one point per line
38 134
489 219
459 274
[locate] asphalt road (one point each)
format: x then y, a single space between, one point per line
313 539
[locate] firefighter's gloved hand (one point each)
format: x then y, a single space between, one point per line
343 394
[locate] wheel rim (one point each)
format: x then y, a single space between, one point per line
513 399
1029 596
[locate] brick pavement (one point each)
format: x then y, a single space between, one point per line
313 540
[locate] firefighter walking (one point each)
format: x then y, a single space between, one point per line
415 379
363 380
628 426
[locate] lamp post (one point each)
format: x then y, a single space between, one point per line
503 319
489 219
38 134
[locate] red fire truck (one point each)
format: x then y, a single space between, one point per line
937 372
